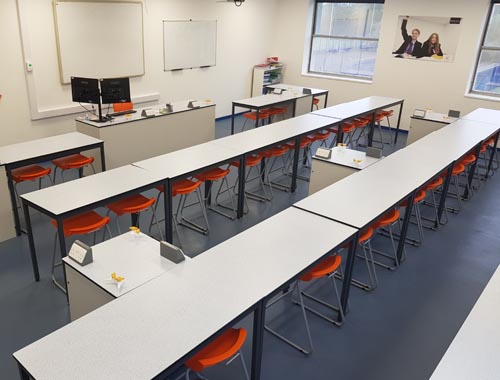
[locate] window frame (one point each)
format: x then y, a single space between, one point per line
313 36
480 49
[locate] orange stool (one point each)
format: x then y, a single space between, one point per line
75 161
263 115
458 169
348 128
316 103
273 154
305 144
252 163
388 220
277 111
29 173
223 348
214 175
380 115
419 198
133 205
432 187
326 269
82 224
184 188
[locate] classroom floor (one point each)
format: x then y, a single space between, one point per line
399 331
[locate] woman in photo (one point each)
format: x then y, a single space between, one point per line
431 47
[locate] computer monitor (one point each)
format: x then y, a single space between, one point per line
85 90
116 90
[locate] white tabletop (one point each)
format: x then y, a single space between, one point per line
437 117
296 89
177 107
184 161
348 157
72 195
46 146
358 107
474 352
146 331
133 256
269 99
485 115
257 138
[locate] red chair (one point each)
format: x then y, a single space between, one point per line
419 198
388 221
277 111
316 103
252 164
224 348
82 224
348 128
305 145
74 161
271 155
213 175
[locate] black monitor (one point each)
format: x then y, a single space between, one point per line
85 90
115 90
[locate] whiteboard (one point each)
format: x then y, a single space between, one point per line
99 39
188 44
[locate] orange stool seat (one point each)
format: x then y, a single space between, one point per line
346 128
85 223
29 173
221 349
252 160
323 268
419 197
386 113
182 187
75 161
275 151
458 168
253 115
319 136
468 159
365 235
212 174
387 219
315 101
304 141
131 205
434 184
276 111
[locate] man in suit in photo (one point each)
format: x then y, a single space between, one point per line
410 46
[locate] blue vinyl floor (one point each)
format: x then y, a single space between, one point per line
399 331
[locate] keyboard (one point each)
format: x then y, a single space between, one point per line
121 113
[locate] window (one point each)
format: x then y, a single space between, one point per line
345 38
487 71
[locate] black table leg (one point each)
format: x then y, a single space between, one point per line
399 122
257 117
241 187
134 219
169 217
404 227
13 201
349 266
294 107
472 170
259 317
62 246
444 193
22 373
326 99
295 164
340 134
232 120
103 158
372 129
208 192
31 242
492 156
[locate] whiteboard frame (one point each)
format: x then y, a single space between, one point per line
56 27
192 67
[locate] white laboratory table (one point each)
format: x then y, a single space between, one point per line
70 198
484 115
422 126
35 152
362 107
134 137
342 163
474 352
315 92
301 103
132 255
153 329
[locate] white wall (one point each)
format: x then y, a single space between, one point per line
439 86
242 42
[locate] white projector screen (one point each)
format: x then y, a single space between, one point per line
99 39
189 44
